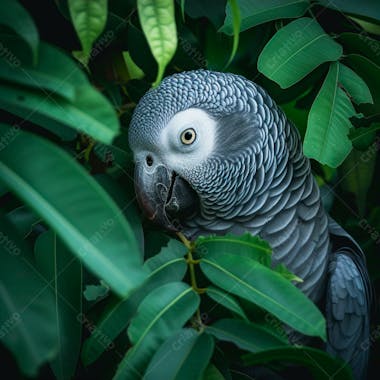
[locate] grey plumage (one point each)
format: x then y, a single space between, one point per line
257 179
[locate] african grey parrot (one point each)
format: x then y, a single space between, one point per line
215 154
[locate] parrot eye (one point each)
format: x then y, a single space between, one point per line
188 136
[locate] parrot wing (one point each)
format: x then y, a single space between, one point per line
348 302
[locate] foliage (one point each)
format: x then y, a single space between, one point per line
91 290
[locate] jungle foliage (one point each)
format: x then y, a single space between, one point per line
89 289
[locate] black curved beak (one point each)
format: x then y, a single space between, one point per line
165 198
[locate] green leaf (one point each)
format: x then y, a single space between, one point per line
256 283
95 292
363 137
158 24
55 72
236 21
357 175
89 19
133 70
370 73
91 113
354 85
284 272
245 335
173 250
23 219
368 8
212 373
296 50
64 272
245 245
116 317
161 314
256 12
77 208
361 43
326 138
14 16
321 365
226 300
184 356
27 318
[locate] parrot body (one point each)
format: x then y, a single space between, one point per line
214 154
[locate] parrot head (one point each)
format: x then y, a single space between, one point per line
204 147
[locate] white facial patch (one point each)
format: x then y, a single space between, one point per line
179 155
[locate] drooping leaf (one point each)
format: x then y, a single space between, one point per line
262 286
158 24
161 314
64 272
321 365
133 70
184 356
236 21
296 50
255 12
244 245
14 16
370 73
77 208
245 335
226 300
326 138
354 85
89 19
116 317
27 318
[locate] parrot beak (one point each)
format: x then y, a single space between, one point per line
164 197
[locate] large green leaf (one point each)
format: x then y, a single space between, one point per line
64 272
89 19
326 138
161 314
91 113
296 50
158 24
14 16
27 317
254 282
77 208
245 335
255 12
116 317
244 245
184 356
321 365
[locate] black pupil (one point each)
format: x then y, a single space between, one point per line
188 135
